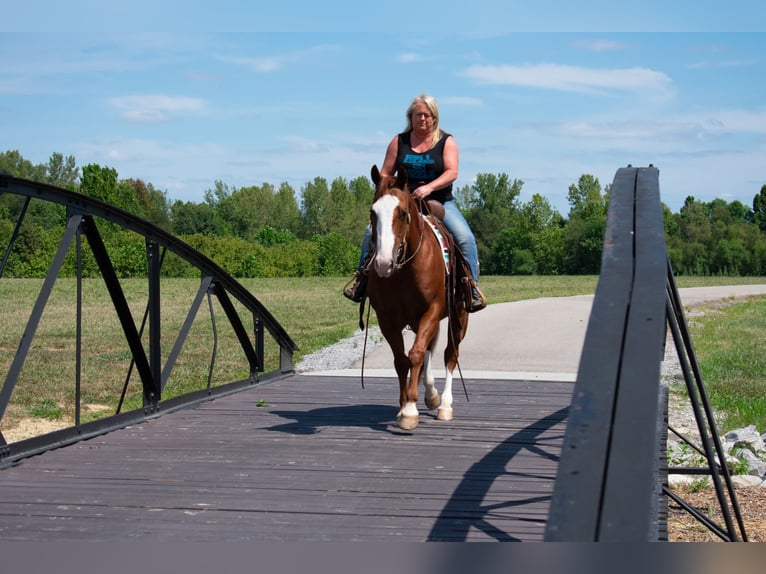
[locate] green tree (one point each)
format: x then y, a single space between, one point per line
221 206
315 208
189 218
584 232
544 227
493 203
62 172
759 209
362 191
285 213
12 162
152 204
100 183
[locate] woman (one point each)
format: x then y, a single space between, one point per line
430 158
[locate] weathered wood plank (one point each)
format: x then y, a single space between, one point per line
301 459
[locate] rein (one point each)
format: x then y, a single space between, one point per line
402 251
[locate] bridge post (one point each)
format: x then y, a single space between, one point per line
607 482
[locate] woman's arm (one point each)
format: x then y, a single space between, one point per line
389 163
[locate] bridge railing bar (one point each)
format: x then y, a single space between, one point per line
81 213
711 449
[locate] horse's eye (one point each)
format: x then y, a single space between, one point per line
402 215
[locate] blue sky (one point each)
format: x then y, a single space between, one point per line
246 94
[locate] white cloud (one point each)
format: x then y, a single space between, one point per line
267 64
410 57
711 65
261 65
600 45
571 78
151 108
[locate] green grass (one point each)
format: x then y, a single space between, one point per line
314 313
728 340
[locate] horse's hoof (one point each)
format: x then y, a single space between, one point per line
408 422
445 414
433 402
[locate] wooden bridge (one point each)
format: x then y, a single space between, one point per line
303 459
290 457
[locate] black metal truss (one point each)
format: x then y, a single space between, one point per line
81 215
711 447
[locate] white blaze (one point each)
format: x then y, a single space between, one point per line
384 210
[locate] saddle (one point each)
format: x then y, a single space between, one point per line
459 279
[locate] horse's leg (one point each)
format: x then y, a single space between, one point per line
432 395
402 367
427 327
457 328
395 340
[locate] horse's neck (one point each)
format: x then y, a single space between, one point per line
415 229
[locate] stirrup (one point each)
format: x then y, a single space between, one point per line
355 288
478 300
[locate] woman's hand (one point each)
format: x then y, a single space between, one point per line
422 192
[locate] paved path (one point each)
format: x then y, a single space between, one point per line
535 339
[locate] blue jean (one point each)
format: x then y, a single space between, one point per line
457 226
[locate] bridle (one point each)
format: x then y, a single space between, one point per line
401 258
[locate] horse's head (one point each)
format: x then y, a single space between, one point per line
390 217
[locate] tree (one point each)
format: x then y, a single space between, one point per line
286 214
315 208
62 172
152 203
694 222
493 203
363 192
584 232
544 228
759 209
101 183
189 218
12 162
341 208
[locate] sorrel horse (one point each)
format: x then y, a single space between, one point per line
409 286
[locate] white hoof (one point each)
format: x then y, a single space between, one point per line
408 422
433 401
445 414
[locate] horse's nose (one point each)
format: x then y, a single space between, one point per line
384 266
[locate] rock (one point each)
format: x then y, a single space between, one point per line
745 480
675 480
747 437
755 466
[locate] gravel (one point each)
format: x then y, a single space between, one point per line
342 355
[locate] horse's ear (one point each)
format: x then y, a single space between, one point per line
375 174
401 178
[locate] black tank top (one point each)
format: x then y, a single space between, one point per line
425 167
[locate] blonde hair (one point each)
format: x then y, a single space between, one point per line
430 102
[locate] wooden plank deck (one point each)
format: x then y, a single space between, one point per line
305 458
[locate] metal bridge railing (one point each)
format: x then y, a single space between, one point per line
611 483
143 339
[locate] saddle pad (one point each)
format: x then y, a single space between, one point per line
442 240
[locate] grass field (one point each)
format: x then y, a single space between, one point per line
315 314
